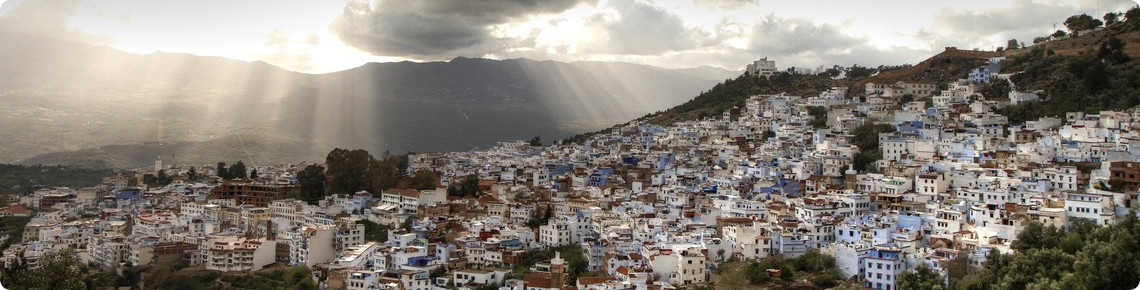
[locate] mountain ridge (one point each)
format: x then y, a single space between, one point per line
70 99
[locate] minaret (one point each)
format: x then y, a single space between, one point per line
849 177
157 163
557 271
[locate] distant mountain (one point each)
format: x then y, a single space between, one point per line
96 106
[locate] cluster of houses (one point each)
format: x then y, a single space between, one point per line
648 206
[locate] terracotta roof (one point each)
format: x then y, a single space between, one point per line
17 208
403 191
488 199
595 280
623 270
539 280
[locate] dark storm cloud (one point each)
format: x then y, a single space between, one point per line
640 29
45 18
433 28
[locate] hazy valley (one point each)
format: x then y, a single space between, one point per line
75 104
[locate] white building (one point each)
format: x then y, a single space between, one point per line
882 268
554 234
1092 206
234 253
762 67
409 200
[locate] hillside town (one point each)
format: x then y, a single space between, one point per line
641 206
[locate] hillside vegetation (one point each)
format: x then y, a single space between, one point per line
1091 72
733 93
1101 74
1084 256
20 179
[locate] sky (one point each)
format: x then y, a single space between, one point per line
321 36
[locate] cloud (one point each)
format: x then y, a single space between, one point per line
45 18
804 43
1022 19
782 36
637 28
433 28
294 52
726 4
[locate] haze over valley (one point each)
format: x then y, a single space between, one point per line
66 103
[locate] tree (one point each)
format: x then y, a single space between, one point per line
385 173
1132 14
349 171
867 135
57 270
374 232
867 138
819 116
997 89
957 268
238 170
160 277
769 134
1112 51
192 174
536 141
1105 265
1082 22
468 187
535 219
422 180
1036 235
163 179
754 273
253 174
1035 266
16 272
1111 18
221 171
995 262
1059 34
1012 44
407 224
921 277
312 180
857 71
831 72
